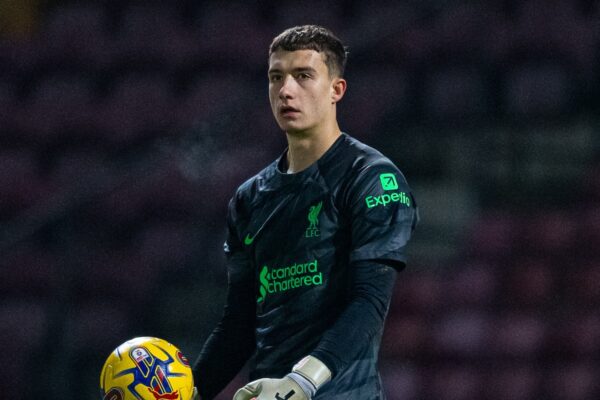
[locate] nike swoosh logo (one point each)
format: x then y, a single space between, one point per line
249 239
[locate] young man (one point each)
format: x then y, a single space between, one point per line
314 244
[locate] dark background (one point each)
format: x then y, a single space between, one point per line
125 127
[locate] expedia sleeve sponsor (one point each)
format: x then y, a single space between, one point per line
385 199
384 213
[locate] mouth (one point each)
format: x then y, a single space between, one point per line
288 111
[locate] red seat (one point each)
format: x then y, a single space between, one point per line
517 336
30 272
536 89
573 381
461 333
531 283
471 285
457 92
60 104
97 327
454 383
512 382
400 381
138 108
20 183
492 235
405 336
78 33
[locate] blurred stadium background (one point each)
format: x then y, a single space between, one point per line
125 126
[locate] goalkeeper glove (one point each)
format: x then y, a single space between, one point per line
301 384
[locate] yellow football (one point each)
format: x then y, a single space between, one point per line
146 368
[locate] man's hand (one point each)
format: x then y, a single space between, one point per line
301 384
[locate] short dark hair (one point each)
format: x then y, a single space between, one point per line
314 37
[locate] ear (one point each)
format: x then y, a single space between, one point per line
338 88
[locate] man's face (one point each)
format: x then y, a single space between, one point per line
301 91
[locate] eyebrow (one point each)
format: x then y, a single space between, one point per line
296 70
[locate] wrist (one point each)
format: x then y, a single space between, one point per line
313 371
307 387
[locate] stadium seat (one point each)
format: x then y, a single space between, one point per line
118 275
583 286
76 32
558 28
8 105
370 21
515 335
59 104
155 32
461 333
492 235
160 192
405 337
320 13
530 284
197 103
454 382
577 335
20 182
401 381
536 89
219 43
572 381
473 284
97 327
22 331
168 245
457 93
591 183
29 272
138 108
418 294
511 381
384 91
78 167
464 30
23 325
588 223
550 232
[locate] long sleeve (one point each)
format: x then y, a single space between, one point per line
364 316
232 342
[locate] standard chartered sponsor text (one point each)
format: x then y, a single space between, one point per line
277 280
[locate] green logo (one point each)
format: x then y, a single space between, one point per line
279 280
388 181
385 199
248 240
313 220
264 284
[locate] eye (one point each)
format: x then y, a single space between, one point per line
274 78
303 76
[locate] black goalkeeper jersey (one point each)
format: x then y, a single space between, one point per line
295 239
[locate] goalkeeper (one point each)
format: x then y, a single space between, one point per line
314 243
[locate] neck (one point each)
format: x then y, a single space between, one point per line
305 148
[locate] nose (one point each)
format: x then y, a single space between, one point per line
286 91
